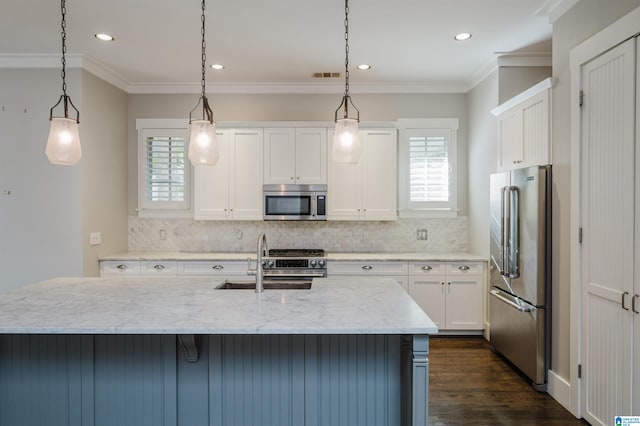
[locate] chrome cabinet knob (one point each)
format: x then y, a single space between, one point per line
463 268
426 268
367 267
217 267
159 267
121 267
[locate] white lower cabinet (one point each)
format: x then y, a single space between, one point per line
173 268
113 268
387 269
451 293
218 268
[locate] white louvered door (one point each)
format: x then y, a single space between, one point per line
608 214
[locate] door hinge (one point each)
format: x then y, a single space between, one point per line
580 235
579 371
581 98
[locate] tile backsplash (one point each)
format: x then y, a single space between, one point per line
442 235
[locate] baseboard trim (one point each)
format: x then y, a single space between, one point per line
559 389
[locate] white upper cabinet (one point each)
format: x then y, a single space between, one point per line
367 190
295 156
232 189
524 128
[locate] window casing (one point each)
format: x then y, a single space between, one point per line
164 170
428 167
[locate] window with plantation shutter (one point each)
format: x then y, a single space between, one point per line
428 167
163 170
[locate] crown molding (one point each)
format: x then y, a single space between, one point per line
554 9
509 59
103 72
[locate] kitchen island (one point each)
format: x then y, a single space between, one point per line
176 351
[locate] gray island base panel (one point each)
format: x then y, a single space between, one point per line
57 371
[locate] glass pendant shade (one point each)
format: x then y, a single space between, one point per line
63 145
346 141
203 143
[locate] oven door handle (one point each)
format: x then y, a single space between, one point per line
295 274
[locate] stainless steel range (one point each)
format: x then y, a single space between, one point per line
294 264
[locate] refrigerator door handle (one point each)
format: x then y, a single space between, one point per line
514 305
504 230
514 235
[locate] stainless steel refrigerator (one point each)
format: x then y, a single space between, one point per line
520 270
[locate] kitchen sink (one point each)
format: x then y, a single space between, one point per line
268 285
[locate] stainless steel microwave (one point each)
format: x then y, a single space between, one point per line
295 202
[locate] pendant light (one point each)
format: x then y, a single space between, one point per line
346 140
203 143
63 144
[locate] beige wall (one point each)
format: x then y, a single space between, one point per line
513 80
104 162
40 203
298 107
483 154
584 20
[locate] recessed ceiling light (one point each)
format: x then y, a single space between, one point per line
217 67
463 36
104 37
364 67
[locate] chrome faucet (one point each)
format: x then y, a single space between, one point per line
259 271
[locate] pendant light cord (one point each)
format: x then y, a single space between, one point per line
346 47
63 9
204 52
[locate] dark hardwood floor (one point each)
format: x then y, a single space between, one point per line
471 385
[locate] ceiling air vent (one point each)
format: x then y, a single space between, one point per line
326 75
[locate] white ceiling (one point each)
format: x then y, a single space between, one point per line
278 43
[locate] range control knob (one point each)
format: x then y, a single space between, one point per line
313 263
321 263
270 264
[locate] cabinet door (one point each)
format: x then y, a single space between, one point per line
211 185
535 130
343 188
429 293
379 174
246 174
279 156
510 149
311 156
464 303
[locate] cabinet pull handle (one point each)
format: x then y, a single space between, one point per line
426 268
121 267
367 267
624 298
463 268
219 267
158 267
633 303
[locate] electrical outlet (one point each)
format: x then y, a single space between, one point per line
421 234
95 238
163 234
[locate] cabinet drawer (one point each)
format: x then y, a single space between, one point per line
465 268
217 268
119 267
159 267
427 268
366 268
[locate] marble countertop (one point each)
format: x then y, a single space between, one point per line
158 305
380 256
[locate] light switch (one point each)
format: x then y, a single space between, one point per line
95 238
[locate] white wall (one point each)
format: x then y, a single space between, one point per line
39 233
584 20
